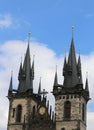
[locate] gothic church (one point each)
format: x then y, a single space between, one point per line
31 111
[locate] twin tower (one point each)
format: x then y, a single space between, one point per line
31 111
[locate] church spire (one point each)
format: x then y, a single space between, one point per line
32 69
55 79
71 77
65 66
87 89
79 70
26 72
10 85
86 85
20 71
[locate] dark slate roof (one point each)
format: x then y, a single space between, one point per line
26 74
10 85
70 69
79 70
86 85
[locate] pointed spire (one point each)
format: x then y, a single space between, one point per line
32 68
64 66
79 62
20 70
11 85
55 79
79 70
72 57
39 90
27 59
26 82
26 69
86 85
71 78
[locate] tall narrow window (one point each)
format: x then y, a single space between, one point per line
19 113
13 114
67 110
62 128
83 112
33 111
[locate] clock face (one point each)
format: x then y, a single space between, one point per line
42 110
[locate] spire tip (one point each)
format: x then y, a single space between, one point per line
72 30
29 37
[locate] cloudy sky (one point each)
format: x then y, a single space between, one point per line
50 23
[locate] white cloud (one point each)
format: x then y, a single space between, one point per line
5 20
90 122
45 63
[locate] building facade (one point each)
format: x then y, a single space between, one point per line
31 111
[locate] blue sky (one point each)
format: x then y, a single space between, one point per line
50 23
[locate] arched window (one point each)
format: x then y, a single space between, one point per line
19 113
62 128
83 112
33 111
67 110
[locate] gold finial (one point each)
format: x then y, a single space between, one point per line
29 36
72 30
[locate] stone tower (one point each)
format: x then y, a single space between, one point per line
28 110
71 98
31 111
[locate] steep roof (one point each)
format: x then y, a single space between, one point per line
71 68
26 73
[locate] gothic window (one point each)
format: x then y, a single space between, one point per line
13 114
19 113
71 96
67 97
33 111
62 128
63 97
67 110
83 112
